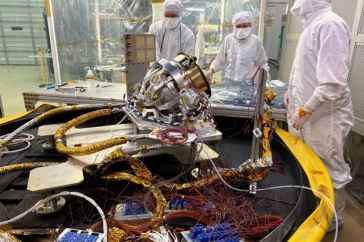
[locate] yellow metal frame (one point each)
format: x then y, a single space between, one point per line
10 118
315 226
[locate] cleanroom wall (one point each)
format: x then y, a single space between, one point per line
22 33
353 13
90 33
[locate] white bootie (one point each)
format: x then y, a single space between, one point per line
340 199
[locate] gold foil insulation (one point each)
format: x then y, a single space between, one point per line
90 149
25 166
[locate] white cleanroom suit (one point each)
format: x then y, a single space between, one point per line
318 84
239 58
171 35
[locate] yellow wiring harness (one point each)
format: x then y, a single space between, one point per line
142 177
90 149
41 117
258 170
25 166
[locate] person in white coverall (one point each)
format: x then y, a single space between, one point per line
171 35
320 110
240 53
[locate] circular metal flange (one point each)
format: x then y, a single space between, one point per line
51 206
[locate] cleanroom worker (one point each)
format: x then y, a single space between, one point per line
240 53
171 35
320 110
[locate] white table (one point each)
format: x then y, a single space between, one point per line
102 92
111 92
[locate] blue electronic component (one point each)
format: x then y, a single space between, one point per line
195 231
177 203
134 208
73 235
181 202
222 232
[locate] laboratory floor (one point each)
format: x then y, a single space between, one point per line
353 229
14 80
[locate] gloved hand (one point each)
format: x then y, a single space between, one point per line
286 98
300 118
208 76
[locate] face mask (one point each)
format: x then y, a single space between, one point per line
171 22
242 33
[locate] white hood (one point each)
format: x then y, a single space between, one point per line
305 9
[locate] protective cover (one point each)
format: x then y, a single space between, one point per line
89 33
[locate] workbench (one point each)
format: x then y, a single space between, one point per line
109 92
77 93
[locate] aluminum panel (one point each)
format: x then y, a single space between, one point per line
356 84
361 24
345 9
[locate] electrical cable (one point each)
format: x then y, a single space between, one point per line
28 137
50 113
331 206
125 116
47 199
172 135
20 140
25 166
7 152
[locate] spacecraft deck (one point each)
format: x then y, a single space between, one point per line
233 149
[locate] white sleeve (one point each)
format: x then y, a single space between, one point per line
221 58
189 46
333 58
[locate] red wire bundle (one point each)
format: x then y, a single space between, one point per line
168 136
